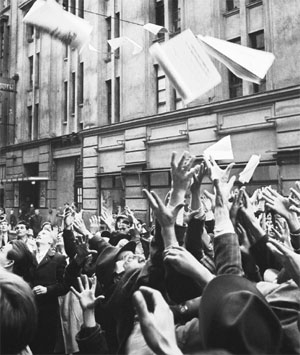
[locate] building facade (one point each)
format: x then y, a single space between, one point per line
98 127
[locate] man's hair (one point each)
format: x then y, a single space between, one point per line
18 313
24 223
22 257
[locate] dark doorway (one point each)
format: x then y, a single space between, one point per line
29 194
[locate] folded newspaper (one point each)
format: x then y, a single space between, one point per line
247 173
187 65
48 16
246 63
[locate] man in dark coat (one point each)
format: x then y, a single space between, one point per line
36 222
47 284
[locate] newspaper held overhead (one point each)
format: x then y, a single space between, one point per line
246 63
247 173
187 65
222 150
49 16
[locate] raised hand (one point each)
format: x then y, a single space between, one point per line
94 224
87 299
82 250
236 205
130 214
282 234
294 198
156 320
198 177
108 219
277 202
182 173
80 226
209 201
165 215
195 187
290 260
252 224
68 218
244 241
223 189
185 263
215 172
86 296
281 205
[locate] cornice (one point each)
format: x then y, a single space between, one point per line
243 102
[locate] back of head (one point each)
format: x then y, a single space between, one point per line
234 316
18 311
22 257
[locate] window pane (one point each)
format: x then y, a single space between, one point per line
65 101
161 83
161 96
161 108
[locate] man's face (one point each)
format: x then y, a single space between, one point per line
4 226
123 226
131 260
36 212
21 230
44 238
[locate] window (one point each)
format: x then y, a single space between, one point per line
30 123
66 101
117 24
6 3
108 36
112 197
176 16
160 16
257 41
81 8
30 72
117 100
108 100
73 93
81 84
73 7
66 5
36 122
37 70
78 197
29 33
1 41
160 90
235 83
117 31
232 4
178 104
66 51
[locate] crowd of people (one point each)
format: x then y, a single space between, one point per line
215 273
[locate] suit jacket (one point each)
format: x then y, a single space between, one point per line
49 273
36 224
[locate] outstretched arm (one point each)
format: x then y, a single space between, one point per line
157 321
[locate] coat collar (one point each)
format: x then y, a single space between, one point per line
49 255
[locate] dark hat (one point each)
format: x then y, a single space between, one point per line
105 264
235 316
